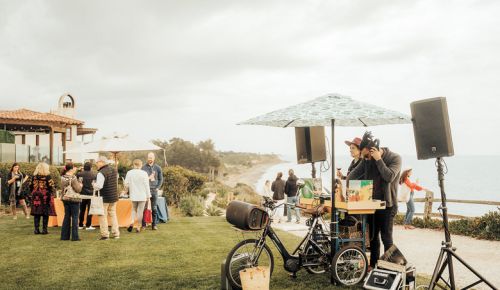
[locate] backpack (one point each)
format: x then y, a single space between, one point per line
69 194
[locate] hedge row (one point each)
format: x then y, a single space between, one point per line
485 227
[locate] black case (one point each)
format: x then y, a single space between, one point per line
246 216
379 279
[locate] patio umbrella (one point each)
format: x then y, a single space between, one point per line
330 110
115 144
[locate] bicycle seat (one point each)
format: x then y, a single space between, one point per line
315 211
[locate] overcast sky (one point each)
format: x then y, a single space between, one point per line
193 69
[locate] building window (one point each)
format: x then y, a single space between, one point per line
68 134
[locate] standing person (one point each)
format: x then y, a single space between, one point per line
155 175
87 177
137 184
383 167
410 187
266 189
291 193
355 154
42 197
278 189
107 184
71 207
15 180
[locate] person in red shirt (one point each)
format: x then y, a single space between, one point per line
408 186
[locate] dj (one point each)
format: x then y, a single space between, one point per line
383 167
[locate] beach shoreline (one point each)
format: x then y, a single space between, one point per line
249 175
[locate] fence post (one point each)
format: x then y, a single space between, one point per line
429 196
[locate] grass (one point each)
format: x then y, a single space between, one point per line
186 253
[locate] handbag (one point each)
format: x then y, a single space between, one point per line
69 194
96 204
404 193
148 215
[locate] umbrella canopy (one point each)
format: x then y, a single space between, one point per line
116 143
120 143
321 111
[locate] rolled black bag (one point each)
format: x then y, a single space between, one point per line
246 216
394 255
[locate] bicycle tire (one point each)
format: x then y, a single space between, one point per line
234 264
309 269
349 266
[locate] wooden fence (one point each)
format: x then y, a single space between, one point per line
429 200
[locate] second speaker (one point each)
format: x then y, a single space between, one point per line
310 143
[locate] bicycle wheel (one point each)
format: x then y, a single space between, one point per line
349 266
312 256
246 255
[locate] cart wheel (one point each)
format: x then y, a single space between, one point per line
349 266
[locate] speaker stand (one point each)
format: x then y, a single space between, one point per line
313 171
447 252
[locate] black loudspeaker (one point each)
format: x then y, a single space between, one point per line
246 216
310 143
431 126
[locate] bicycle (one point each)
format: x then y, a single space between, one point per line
313 252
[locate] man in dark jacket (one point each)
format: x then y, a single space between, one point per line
383 167
155 182
292 198
87 177
107 184
278 189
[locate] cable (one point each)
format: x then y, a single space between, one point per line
326 165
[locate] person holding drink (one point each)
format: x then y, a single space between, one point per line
355 154
15 180
155 176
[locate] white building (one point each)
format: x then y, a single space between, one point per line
29 136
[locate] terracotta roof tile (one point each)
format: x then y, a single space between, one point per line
28 115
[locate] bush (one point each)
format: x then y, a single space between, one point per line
220 202
179 182
191 206
26 168
485 227
213 211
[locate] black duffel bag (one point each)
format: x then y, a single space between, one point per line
246 216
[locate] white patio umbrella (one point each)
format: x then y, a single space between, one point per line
115 144
330 110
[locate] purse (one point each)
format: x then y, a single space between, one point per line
96 204
69 194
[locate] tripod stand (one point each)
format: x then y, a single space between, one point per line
447 253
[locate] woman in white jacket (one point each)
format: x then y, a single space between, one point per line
137 185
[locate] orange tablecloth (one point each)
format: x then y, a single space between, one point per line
123 212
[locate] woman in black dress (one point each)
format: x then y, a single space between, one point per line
42 197
15 180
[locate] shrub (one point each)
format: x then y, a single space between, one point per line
220 202
191 205
484 227
179 182
26 168
213 211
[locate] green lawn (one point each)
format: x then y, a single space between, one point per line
184 254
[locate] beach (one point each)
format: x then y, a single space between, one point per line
249 175
420 246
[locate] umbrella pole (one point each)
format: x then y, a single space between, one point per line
334 216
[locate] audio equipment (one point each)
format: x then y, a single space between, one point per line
310 142
431 126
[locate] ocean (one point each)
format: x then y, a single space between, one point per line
468 178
